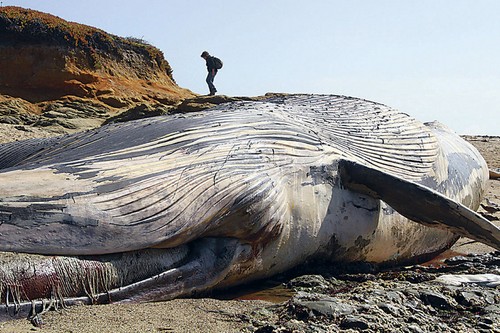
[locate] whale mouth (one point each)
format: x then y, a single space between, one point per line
37 283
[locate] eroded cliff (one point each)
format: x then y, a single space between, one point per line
57 73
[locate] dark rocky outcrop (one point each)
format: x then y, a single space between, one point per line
408 299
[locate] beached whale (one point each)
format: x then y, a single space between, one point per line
175 205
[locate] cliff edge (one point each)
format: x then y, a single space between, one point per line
70 76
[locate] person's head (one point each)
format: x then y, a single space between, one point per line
205 55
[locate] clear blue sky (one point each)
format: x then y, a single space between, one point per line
433 59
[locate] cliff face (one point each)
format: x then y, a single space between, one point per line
54 69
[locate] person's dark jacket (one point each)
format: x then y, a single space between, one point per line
211 64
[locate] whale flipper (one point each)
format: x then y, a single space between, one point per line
419 203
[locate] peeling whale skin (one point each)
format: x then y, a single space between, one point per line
177 205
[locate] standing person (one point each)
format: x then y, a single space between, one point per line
212 71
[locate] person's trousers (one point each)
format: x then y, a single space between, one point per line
210 82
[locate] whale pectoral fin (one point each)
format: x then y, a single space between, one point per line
419 203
